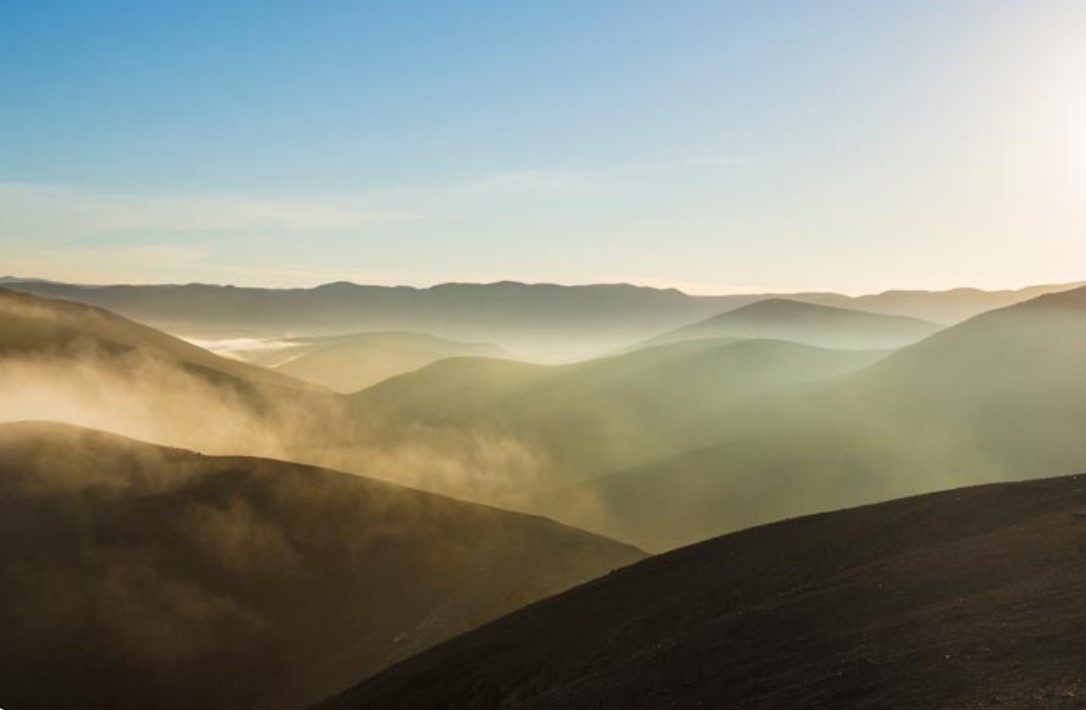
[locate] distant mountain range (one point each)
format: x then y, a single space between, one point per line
538 321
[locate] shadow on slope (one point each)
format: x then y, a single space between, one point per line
141 576
966 598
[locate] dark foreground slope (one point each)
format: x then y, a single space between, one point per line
142 576
965 598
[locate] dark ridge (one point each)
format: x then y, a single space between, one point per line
966 598
138 576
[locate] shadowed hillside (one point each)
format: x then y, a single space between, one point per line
971 598
140 576
1000 397
790 320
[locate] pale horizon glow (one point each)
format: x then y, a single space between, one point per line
728 147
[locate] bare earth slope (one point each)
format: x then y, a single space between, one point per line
965 598
143 576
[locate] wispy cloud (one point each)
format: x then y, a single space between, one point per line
31 209
94 235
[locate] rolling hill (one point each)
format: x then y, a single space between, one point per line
971 598
999 397
351 363
814 324
589 418
36 326
142 576
66 361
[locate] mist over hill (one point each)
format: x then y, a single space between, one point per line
142 576
595 416
163 567
543 354
66 361
999 397
658 446
351 363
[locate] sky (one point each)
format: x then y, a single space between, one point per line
710 146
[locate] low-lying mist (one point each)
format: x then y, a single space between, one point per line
156 400
660 446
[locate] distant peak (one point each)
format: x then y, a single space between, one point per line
776 304
338 285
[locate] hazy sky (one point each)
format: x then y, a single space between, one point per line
714 146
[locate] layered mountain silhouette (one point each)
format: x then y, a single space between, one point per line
1001 396
143 576
970 598
596 416
139 575
951 306
790 320
538 321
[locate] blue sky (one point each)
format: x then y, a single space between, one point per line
717 146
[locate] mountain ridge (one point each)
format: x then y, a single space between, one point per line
540 321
